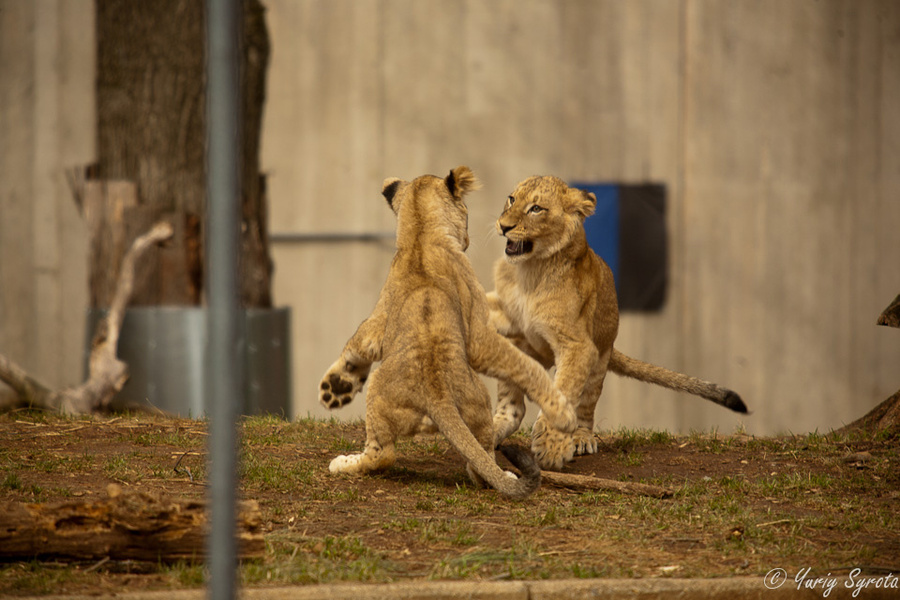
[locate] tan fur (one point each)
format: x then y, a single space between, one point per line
430 330
556 300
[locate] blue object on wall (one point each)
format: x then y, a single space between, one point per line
628 231
602 228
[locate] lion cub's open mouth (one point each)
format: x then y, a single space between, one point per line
518 248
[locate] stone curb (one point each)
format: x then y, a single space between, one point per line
739 588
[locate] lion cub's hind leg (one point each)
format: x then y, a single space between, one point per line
510 411
379 452
375 457
585 441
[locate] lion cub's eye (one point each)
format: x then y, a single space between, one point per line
536 210
510 201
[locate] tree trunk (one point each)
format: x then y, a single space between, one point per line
151 103
890 317
885 416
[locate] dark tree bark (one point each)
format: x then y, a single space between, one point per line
890 317
151 103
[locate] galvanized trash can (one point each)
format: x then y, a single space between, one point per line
165 350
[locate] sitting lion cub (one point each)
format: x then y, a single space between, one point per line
556 299
430 330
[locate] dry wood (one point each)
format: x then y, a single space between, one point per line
130 526
587 482
107 374
104 205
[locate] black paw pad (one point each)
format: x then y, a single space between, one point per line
345 400
326 397
340 386
325 385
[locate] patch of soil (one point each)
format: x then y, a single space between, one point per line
742 505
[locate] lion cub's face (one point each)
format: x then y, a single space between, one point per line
541 216
430 203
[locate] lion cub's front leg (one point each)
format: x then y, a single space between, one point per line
552 448
341 382
347 375
497 357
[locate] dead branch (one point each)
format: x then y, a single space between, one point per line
124 526
29 391
107 374
588 483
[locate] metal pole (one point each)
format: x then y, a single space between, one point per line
224 375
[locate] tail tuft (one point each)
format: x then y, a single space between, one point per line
524 461
734 402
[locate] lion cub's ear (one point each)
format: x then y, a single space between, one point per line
461 181
389 189
583 202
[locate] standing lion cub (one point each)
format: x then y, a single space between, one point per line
557 300
431 333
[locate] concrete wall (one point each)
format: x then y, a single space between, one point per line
47 124
773 125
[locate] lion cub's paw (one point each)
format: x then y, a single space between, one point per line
346 463
563 418
341 382
585 442
552 448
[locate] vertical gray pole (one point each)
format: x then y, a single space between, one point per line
224 375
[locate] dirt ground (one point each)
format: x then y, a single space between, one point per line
741 505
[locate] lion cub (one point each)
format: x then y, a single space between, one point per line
430 331
556 299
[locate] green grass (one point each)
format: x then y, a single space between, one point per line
11 482
317 560
264 472
808 506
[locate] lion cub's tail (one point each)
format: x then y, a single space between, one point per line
638 369
450 423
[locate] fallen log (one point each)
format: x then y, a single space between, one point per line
129 526
588 483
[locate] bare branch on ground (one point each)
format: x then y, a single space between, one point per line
107 374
